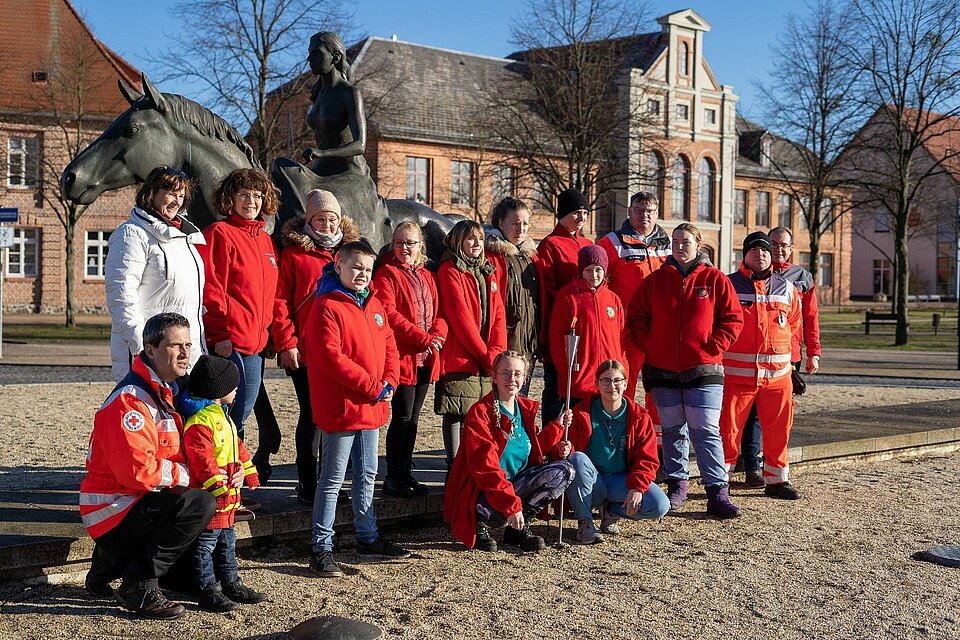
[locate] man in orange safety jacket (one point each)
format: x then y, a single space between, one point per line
757 366
134 500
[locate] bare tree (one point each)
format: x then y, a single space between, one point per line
807 100
245 54
64 107
559 116
909 51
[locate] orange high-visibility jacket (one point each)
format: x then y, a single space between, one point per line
771 316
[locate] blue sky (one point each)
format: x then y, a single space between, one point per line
737 48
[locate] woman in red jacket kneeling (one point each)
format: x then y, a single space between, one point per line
501 475
408 292
615 457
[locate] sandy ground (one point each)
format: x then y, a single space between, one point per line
836 564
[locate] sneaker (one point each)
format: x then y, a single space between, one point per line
676 493
587 533
781 490
419 489
381 548
485 541
98 590
322 564
213 599
754 479
719 504
523 539
239 592
608 521
149 602
244 515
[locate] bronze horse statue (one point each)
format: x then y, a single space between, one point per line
168 129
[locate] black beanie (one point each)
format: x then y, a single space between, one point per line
757 239
569 201
213 377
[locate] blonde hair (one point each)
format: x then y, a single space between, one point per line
410 225
689 228
508 355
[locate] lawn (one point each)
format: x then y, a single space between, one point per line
16 332
844 329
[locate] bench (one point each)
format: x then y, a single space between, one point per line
875 317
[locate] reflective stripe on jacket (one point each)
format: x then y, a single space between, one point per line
771 315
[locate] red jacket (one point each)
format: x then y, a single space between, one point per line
809 308
402 290
351 352
210 444
599 323
556 263
134 449
241 270
632 259
477 465
771 315
466 350
682 322
641 441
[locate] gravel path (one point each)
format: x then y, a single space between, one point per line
836 564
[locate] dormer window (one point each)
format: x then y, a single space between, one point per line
765 152
684 61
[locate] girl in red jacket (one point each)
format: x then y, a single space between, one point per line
683 317
594 312
408 292
615 457
471 305
241 280
307 244
500 476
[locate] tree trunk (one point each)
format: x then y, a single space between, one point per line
815 255
68 236
903 285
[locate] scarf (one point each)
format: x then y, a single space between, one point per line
324 240
479 268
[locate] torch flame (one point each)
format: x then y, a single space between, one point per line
573 324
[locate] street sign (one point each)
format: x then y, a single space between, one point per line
9 214
6 237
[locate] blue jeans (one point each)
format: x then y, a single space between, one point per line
214 559
692 414
751 443
251 374
591 488
335 449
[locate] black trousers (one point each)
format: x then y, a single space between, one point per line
551 405
154 533
402 433
307 436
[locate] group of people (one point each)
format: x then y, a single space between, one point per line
364 334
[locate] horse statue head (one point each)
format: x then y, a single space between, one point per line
159 129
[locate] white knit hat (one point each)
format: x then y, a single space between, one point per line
319 200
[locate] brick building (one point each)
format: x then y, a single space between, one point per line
47 53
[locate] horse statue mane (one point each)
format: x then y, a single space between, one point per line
208 124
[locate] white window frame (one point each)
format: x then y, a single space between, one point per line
416 176
461 183
23 162
25 240
504 181
98 242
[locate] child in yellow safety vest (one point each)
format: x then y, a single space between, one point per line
219 463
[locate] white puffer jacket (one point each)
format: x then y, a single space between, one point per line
152 267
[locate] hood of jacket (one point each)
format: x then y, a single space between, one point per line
163 231
659 239
701 259
494 242
292 233
330 283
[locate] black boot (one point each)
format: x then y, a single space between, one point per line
523 539
239 592
394 484
485 541
419 489
213 599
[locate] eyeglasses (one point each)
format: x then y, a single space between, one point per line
610 382
170 171
250 196
511 375
781 245
400 244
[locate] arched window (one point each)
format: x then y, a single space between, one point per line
653 174
684 62
680 189
708 250
706 176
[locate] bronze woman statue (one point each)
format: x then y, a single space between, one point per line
336 113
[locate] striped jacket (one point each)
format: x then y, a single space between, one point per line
134 448
633 258
211 444
771 316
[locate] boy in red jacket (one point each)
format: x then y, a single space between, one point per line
354 369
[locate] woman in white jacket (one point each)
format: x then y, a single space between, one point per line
153 267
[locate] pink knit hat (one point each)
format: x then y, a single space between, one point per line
591 255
